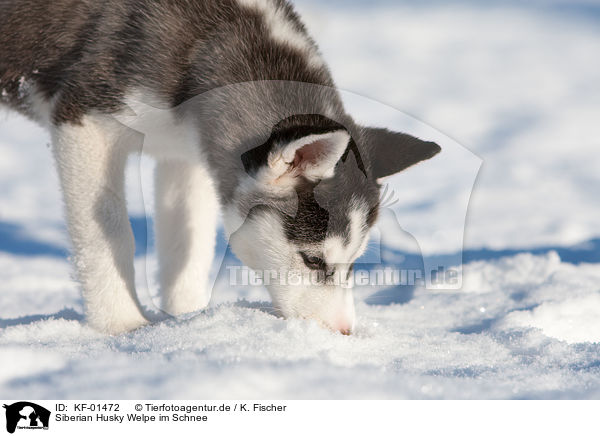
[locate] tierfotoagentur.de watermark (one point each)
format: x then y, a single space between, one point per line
239 275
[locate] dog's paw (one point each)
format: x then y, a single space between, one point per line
117 323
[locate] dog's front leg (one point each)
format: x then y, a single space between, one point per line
186 218
91 168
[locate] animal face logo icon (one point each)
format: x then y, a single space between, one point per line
26 415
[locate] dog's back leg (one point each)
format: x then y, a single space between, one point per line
91 167
186 218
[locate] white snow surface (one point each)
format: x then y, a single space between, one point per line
499 342
516 86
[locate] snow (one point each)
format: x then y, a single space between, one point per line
512 85
572 320
437 345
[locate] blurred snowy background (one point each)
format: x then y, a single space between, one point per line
518 85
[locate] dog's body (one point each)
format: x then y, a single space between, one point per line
240 111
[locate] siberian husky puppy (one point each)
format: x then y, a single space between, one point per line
240 111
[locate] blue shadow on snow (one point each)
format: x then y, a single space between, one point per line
14 240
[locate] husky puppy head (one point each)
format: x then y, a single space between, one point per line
303 214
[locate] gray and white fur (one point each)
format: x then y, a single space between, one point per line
240 111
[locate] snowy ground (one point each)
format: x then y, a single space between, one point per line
516 86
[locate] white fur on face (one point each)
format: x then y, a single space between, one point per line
260 242
337 251
283 30
330 306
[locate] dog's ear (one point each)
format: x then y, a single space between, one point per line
282 161
392 152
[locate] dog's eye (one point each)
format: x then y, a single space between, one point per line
313 262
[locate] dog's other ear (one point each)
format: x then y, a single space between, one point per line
393 152
312 156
